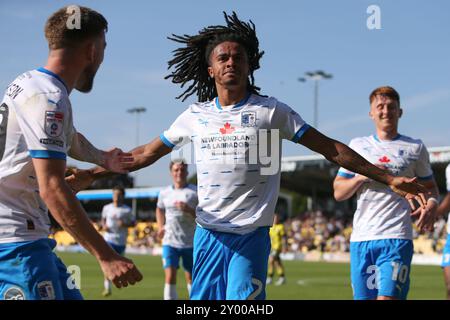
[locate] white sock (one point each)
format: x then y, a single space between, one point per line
189 286
107 285
170 291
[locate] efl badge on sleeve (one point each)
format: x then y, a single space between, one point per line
248 119
54 123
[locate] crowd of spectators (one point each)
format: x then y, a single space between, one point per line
306 232
314 230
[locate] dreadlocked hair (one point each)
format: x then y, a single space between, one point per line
191 61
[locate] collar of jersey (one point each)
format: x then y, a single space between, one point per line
395 138
239 104
54 75
173 186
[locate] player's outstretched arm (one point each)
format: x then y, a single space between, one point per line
142 156
113 160
346 157
67 210
145 155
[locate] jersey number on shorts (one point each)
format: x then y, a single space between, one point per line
258 290
399 273
4 111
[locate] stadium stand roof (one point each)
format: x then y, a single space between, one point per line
106 194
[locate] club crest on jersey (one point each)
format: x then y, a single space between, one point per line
14 293
248 119
227 129
46 290
54 123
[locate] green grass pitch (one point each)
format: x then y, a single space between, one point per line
305 280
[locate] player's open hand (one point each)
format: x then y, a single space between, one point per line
427 216
410 189
78 179
116 160
160 233
121 271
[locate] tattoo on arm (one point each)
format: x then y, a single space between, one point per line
343 155
351 160
83 150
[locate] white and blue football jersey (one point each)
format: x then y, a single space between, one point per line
35 122
116 234
179 226
238 171
381 213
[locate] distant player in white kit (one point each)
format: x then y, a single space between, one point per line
381 246
36 136
175 215
117 217
237 193
444 209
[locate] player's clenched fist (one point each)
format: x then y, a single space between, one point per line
121 271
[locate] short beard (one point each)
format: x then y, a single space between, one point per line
86 81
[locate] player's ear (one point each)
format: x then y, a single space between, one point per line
400 112
211 72
371 115
89 50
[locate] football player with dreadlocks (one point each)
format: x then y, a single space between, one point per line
237 195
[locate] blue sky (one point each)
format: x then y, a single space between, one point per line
410 52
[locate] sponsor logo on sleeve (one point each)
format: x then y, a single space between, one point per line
49 141
54 123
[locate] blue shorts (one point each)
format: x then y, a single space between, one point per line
171 257
446 254
117 248
380 268
31 271
230 266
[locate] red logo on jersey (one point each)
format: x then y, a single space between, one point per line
384 159
227 128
